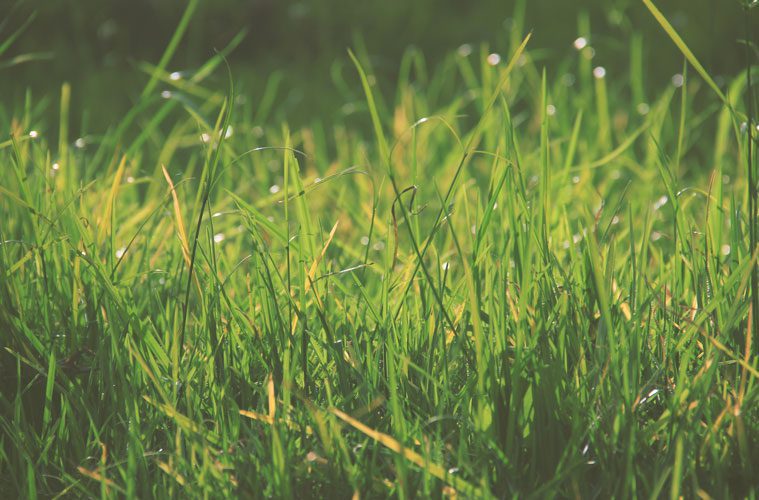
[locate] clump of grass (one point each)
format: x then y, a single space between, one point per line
518 284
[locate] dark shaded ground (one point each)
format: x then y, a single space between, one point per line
90 42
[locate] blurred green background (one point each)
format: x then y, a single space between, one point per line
96 45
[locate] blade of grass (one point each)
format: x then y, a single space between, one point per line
171 48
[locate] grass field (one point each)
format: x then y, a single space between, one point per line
492 278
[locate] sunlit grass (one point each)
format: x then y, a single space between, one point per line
508 280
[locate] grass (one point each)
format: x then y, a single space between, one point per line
494 280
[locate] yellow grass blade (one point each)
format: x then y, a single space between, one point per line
464 487
272 398
747 357
260 417
178 215
257 416
314 266
744 363
99 478
105 222
168 469
318 259
510 66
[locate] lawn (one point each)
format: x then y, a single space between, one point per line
499 275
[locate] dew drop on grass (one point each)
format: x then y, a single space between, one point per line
33 134
651 393
615 220
725 249
661 202
166 94
80 143
576 179
205 138
445 266
218 237
378 246
56 166
599 72
364 240
176 75
551 110
229 132
130 180
464 50
655 236
274 189
678 80
120 252
580 43
643 109
494 59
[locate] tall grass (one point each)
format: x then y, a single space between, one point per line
496 280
